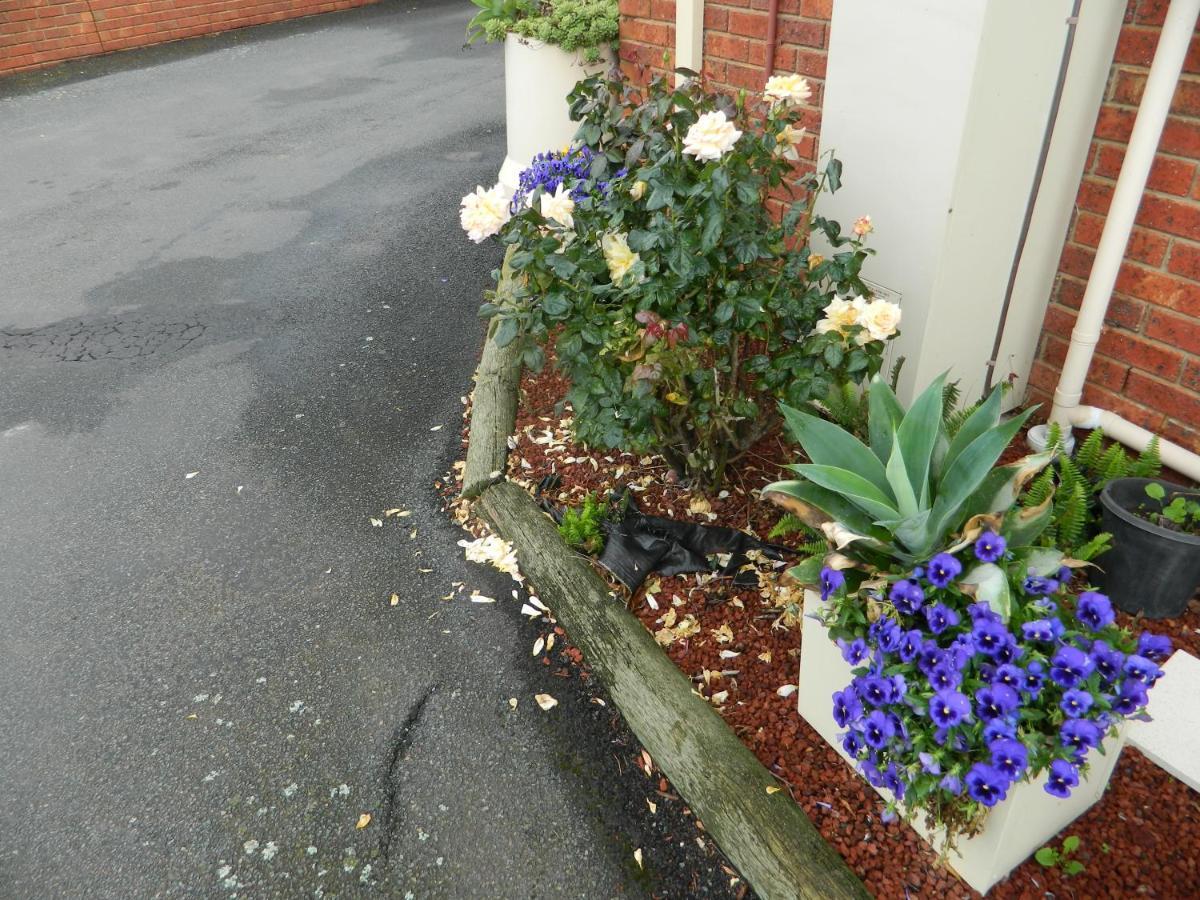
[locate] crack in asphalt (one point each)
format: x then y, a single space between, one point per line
399 744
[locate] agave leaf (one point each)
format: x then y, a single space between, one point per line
917 436
842 537
986 417
815 505
884 414
912 532
902 489
1022 472
1043 561
988 583
807 572
1022 526
854 487
831 445
969 471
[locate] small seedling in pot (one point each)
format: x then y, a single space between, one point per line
1181 514
1061 859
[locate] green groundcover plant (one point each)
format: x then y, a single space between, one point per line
680 309
584 25
975 666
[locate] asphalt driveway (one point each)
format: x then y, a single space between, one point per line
237 315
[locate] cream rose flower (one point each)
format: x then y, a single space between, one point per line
841 314
880 319
786 141
711 137
484 213
618 256
560 207
787 88
863 226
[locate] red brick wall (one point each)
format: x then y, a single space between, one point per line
735 45
38 33
1147 366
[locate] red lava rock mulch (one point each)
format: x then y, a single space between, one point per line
1140 839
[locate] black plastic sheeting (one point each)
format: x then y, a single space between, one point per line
639 545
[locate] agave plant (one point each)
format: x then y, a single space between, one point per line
914 489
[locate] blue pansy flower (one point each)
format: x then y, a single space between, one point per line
854 652
1061 778
1138 668
1039 586
988 637
1079 734
1035 677
907 596
1108 661
990 547
943 569
846 707
1075 703
1130 698
1154 646
995 700
986 784
1070 665
948 707
1094 610
878 730
1009 757
832 581
940 617
951 784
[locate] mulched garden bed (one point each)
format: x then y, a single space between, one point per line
741 648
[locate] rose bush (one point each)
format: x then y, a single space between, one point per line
680 309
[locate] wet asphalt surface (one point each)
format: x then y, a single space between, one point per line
239 257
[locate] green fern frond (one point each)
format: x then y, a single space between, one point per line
951 394
1113 464
1093 548
1148 464
1087 455
894 375
813 543
1041 488
1073 518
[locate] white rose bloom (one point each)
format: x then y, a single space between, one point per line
559 207
881 319
841 314
711 137
787 88
618 256
786 141
484 213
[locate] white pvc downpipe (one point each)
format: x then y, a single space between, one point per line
1127 196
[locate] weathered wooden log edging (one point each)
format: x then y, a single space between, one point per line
766 835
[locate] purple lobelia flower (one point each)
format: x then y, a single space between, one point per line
1070 665
1094 610
948 708
943 569
832 581
1061 778
907 596
986 784
990 547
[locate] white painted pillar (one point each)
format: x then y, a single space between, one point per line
938 110
689 35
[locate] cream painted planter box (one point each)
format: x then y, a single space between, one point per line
537 79
1016 827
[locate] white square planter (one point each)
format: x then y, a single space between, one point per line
1016 827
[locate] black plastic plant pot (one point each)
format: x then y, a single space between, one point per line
1150 569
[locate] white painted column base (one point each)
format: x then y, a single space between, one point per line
537 79
1169 739
1015 827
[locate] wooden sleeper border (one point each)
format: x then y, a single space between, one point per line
766 836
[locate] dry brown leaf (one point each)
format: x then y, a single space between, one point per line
363 821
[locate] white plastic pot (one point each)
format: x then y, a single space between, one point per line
1014 829
537 79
